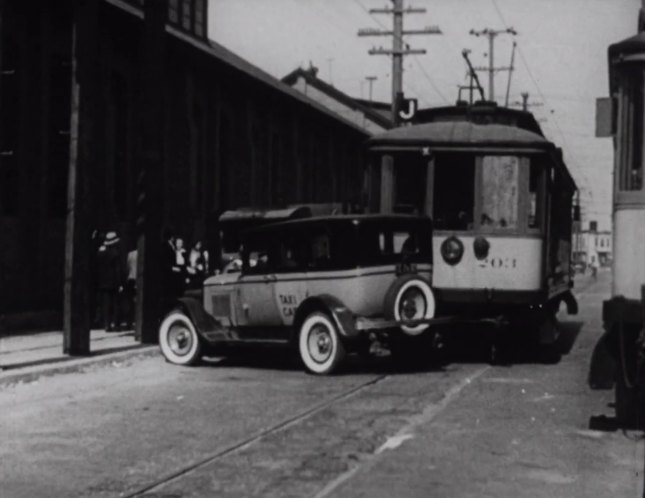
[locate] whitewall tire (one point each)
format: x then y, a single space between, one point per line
178 339
321 349
411 298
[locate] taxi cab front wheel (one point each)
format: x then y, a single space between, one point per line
178 339
320 346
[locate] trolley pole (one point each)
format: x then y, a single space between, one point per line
491 34
397 52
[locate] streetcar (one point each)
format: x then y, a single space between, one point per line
622 116
502 203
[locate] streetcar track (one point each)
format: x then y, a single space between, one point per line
406 432
249 441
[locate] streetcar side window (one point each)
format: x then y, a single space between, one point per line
500 191
630 161
454 192
536 195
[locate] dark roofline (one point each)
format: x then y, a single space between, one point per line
224 55
324 87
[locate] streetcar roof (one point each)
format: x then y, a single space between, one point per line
627 46
462 133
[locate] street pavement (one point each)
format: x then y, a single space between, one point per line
257 425
26 356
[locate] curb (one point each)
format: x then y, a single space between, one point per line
25 375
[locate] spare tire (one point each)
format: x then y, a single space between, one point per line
410 297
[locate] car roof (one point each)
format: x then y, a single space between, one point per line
340 220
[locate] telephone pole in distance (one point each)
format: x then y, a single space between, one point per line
398 50
371 80
492 34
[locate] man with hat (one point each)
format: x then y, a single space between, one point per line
111 278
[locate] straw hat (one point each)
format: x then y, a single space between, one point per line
111 238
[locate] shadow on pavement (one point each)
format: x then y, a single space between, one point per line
288 360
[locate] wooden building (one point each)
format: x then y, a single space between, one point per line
233 136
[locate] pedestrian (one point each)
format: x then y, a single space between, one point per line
130 290
96 315
594 267
170 271
181 262
111 279
197 265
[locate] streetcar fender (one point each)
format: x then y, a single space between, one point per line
343 318
206 326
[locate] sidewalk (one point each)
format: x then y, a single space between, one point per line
25 357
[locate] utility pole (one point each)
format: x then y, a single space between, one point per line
398 50
525 102
83 117
370 80
150 201
492 34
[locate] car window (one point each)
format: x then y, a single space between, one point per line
260 254
381 246
293 252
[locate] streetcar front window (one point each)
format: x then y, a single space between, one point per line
500 192
454 193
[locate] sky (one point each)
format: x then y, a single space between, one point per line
560 60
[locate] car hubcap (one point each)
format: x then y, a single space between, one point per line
412 305
320 344
180 339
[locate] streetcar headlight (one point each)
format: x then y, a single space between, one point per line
452 250
481 247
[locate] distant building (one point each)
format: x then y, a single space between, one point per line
234 136
592 245
359 112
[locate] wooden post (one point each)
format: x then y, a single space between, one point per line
150 217
76 312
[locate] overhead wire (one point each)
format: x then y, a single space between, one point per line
544 99
416 59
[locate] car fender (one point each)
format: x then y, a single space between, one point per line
205 325
340 314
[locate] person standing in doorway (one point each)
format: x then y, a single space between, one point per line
111 279
130 291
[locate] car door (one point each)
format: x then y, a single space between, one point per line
257 304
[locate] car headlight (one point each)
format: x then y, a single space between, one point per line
452 250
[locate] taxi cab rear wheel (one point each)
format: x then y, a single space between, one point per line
178 339
410 298
321 349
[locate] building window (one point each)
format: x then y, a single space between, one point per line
173 11
630 173
9 126
186 14
200 17
117 151
59 132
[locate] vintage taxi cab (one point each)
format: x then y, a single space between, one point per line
321 285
